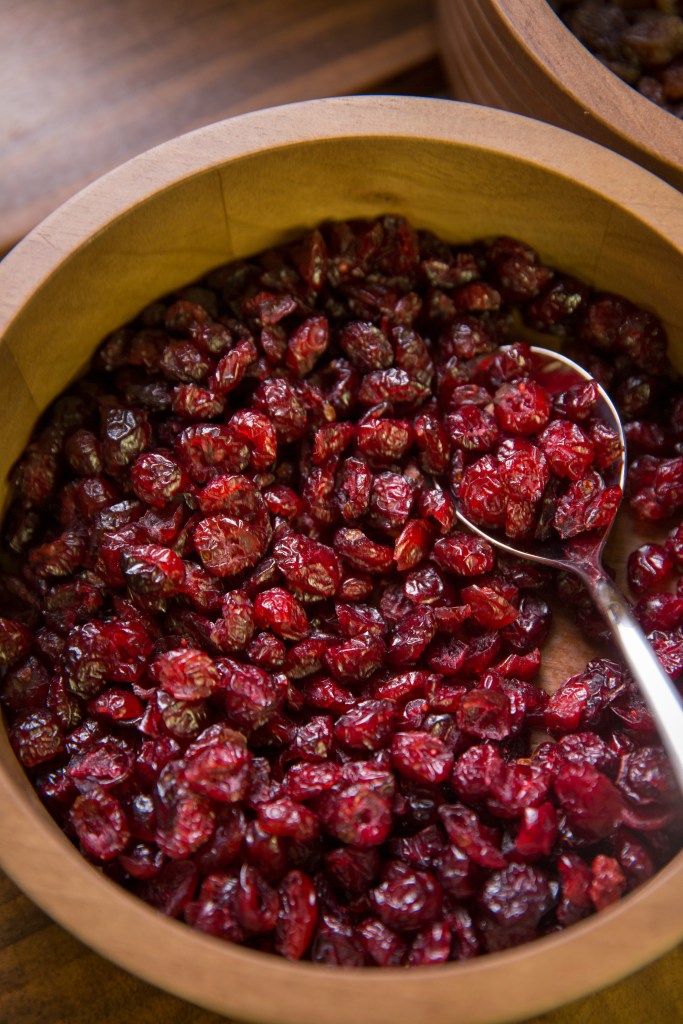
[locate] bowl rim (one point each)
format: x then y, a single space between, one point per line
571 67
638 929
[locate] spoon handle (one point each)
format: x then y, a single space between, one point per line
659 692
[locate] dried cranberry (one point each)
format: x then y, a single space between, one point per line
522 407
518 894
357 815
100 823
297 917
227 546
648 566
420 756
36 737
408 901
588 798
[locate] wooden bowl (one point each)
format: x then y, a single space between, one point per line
518 55
230 190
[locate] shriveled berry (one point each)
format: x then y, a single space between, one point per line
214 909
384 440
367 726
362 553
125 435
464 554
489 606
537 831
235 629
297 917
220 771
589 799
185 819
484 714
421 756
411 637
187 674
252 697
36 737
286 817
648 566
207 449
116 705
472 429
567 448
609 882
384 947
358 815
227 546
156 478
483 494
15 643
277 610
331 439
308 565
152 570
100 824
279 400
356 658
522 408
519 894
478 841
408 901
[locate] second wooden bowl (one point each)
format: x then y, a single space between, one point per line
518 55
231 190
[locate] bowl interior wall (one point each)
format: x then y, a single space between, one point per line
459 192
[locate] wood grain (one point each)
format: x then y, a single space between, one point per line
517 55
48 977
86 85
457 170
81 987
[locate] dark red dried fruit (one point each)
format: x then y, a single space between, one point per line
298 915
367 726
227 546
357 815
408 900
220 771
100 824
157 478
36 737
648 566
277 610
187 674
609 882
522 407
308 565
518 895
421 756
588 798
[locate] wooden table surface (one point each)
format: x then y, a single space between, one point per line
84 85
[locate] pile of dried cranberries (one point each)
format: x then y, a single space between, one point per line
255 669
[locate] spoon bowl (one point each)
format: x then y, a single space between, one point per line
583 556
557 373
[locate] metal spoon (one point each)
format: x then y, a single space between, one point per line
583 555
